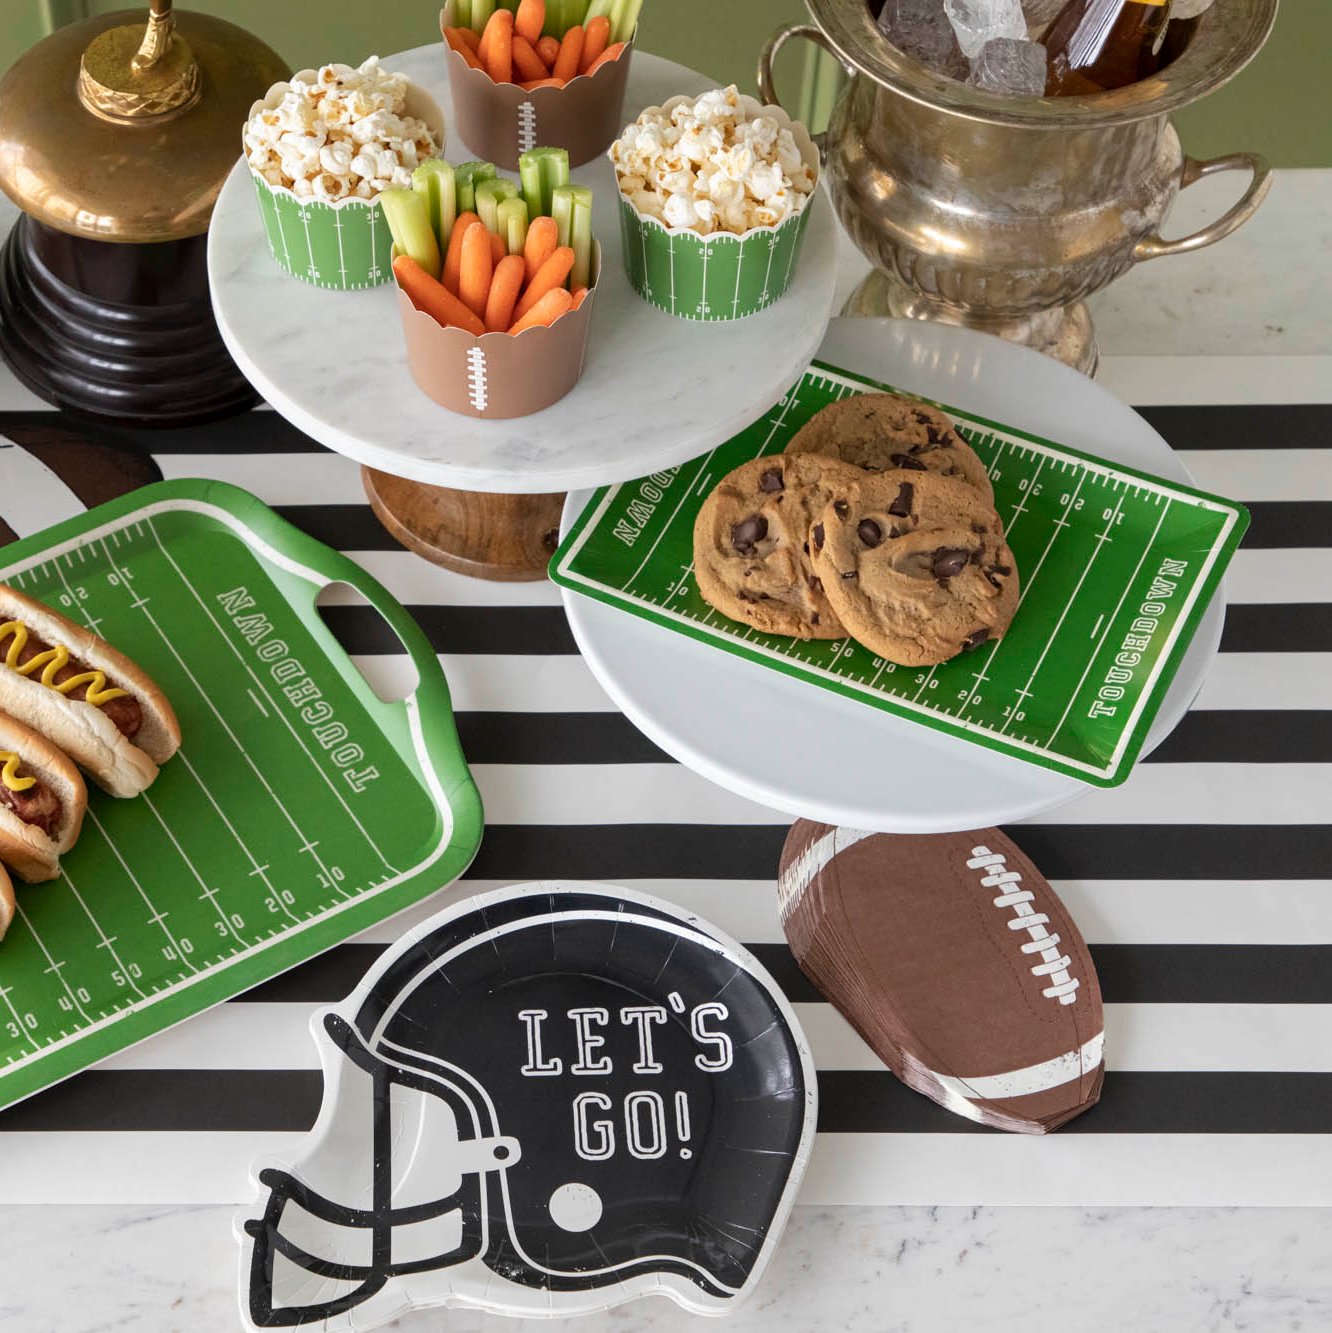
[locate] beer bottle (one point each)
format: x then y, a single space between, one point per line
1096 45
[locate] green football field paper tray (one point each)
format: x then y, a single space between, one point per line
1117 568
300 810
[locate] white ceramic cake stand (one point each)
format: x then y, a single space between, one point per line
656 390
812 753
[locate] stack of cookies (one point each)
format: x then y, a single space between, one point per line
877 523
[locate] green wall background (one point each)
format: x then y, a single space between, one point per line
1281 105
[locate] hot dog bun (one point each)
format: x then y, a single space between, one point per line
120 766
28 851
6 902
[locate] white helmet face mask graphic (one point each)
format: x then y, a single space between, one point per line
547 1100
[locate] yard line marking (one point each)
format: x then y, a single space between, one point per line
1027 585
210 894
1068 605
787 404
286 721
231 828
18 1022
108 942
1101 617
257 702
1096 652
57 968
158 918
184 759
235 740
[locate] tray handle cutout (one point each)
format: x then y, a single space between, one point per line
365 632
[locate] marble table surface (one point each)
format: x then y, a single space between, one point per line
1254 308
332 362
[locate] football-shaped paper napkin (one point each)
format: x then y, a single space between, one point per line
956 962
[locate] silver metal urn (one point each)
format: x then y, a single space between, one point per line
1004 214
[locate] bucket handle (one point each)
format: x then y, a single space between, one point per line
1153 247
766 83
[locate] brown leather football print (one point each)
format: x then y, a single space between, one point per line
954 959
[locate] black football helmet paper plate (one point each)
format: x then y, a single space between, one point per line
546 1100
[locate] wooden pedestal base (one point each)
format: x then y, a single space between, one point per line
507 538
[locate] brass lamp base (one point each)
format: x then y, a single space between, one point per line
1065 333
120 332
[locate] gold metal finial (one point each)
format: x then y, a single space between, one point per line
129 74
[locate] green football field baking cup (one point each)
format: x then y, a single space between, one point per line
713 278
343 246
722 276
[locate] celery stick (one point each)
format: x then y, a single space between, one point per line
462 14
510 5
435 182
624 19
542 171
555 25
575 11
561 209
481 12
580 235
409 222
513 224
470 175
599 9
489 196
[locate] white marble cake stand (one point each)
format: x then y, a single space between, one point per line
656 390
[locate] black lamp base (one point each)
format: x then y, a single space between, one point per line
120 332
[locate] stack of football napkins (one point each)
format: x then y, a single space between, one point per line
956 962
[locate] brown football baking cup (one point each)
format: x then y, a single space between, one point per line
498 374
499 121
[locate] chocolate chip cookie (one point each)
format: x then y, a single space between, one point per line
751 544
877 431
915 566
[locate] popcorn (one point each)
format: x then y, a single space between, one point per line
710 165
343 134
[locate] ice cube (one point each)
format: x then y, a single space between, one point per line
1040 14
979 21
1010 65
921 29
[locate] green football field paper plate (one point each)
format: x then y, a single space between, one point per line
1117 568
300 810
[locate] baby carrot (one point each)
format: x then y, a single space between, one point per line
497 247
453 257
455 39
543 235
497 46
543 83
530 20
433 298
546 311
477 269
610 53
550 275
504 289
595 42
580 296
527 65
571 54
473 39
548 48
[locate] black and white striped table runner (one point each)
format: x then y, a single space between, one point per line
1204 885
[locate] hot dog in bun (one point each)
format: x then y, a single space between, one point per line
42 802
92 702
6 902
